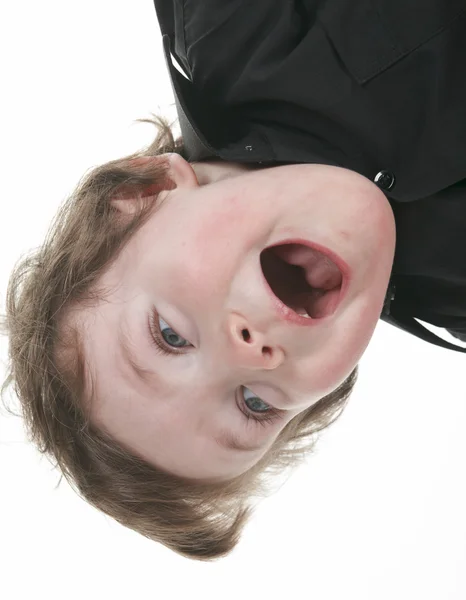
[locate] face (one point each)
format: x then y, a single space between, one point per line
189 303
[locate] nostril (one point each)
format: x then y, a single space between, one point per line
246 335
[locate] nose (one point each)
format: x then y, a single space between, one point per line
250 347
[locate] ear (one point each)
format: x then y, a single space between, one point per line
180 174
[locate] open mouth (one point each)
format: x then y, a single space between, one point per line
302 278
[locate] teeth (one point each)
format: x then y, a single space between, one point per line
304 303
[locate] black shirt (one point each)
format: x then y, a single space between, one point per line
376 86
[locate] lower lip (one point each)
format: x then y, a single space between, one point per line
284 311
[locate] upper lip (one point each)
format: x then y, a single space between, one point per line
288 314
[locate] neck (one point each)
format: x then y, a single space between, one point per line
211 171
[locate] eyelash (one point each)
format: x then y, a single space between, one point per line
160 344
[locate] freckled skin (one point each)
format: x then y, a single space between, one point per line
197 261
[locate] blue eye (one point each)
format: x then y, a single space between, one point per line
168 343
170 336
164 337
255 401
261 415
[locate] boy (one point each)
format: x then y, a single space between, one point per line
162 329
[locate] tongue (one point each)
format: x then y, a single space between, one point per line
320 271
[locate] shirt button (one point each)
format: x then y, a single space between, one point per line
385 180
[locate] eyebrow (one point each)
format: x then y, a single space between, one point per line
226 439
142 373
229 440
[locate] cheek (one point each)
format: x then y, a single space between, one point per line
333 372
346 345
210 251
196 253
226 226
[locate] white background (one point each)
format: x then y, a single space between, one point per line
378 513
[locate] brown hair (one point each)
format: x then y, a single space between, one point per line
47 371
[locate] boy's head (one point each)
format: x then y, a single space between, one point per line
152 249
